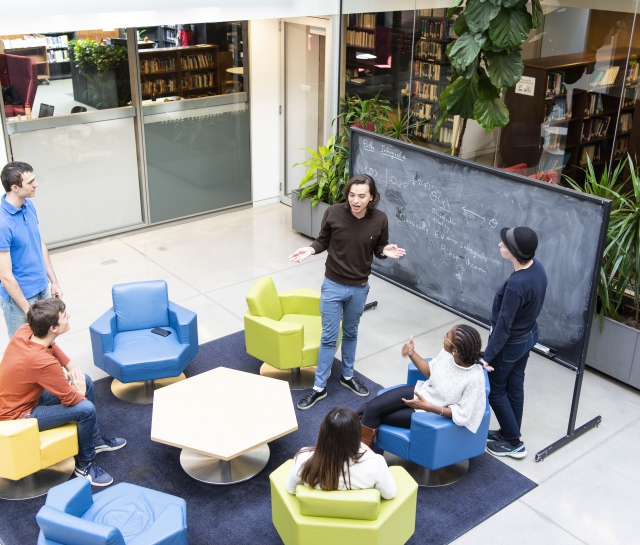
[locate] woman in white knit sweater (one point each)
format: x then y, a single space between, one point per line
455 389
339 461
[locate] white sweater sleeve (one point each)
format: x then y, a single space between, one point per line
469 410
385 484
293 479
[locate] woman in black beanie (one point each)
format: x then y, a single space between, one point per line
514 331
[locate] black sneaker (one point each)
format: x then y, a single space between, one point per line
495 435
103 444
355 385
504 448
94 474
311 398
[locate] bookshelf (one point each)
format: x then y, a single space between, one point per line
572 114
187 72
164 36
34 47
58 54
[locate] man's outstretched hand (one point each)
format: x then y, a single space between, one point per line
392 251
301 254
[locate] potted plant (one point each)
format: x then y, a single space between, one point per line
613 347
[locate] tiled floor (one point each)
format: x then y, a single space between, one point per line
587 490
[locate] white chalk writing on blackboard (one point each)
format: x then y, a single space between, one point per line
367 146
390 152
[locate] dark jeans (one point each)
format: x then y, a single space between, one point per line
50 413
507 382
388 408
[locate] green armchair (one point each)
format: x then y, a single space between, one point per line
350 517
283 330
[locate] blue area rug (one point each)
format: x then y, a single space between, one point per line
232 515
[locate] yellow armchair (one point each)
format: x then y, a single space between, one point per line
350 517
32 461
283 330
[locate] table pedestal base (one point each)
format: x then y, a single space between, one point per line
141 392
37 484
426 477
210 470
301 378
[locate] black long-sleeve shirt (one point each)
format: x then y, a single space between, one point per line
351 243
516 306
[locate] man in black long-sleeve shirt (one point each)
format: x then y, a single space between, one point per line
514 331
352 233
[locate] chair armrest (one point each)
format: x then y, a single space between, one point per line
185 323
19 448
103 332
70 530
73 497
170 528
276 343
414 374
304 301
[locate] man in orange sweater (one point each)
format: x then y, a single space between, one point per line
33 384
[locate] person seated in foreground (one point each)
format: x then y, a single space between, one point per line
33 384
339 461
455 387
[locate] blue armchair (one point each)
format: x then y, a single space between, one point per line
435 451
124 346
124 514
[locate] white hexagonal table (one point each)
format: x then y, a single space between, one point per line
223 420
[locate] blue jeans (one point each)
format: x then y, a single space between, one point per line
507 382
339 302
50 413
13 314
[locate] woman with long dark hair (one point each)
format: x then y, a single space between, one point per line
455 387
339 461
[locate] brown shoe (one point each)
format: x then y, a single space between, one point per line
368 435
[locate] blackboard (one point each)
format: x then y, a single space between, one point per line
448 212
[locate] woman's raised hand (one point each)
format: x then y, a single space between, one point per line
407 349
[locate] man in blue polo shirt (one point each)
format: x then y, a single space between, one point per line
25 267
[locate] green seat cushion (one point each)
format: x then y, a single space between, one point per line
342 504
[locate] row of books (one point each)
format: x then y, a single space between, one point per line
629 96
429 50
594 105
27 41
426 133
57 41
554 161
621 147
425 90
438 29
424 111
58 55
426 70
437 12
554 138
604 78
192 62
555 84
161 64
595 128
626 120
363 20
593 152
159 86
360 39
198 81
559 109
632 73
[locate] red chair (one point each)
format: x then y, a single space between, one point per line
22 73
549 176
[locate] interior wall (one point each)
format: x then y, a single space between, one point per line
264 62
556 40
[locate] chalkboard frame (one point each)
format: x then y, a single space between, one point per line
605 204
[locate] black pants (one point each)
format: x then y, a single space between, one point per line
388 408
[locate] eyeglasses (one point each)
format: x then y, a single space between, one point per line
447 339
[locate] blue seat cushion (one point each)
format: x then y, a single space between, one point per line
131 509
142 355
394 440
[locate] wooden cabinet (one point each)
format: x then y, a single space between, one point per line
187 72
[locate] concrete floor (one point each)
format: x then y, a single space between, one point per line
587 491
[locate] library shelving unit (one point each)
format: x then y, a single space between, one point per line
165 36
39 55
431 73
187 72
58 54
360 58
572 114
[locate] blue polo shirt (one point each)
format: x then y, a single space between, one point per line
19 235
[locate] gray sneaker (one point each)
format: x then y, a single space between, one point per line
504 448
94 474
495 435
103 444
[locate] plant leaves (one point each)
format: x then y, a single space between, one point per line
489 110
469 70
478 14
462 96
536 13
509 3
465 49
452 9
505 69
510 28
460 26
496 2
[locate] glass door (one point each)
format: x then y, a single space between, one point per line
305 95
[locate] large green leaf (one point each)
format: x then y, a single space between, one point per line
452 9
445 93
510 3
536 13
479 13
489 110
510 28
496 2
469 70
460 26
464 51
505 69
462 96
